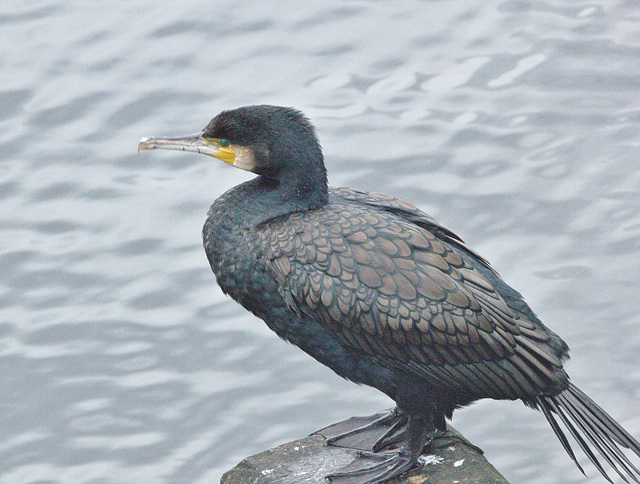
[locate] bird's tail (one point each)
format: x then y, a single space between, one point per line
592 428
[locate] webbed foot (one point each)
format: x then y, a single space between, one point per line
372 433
378 467
374 468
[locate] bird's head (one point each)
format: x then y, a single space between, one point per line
266 140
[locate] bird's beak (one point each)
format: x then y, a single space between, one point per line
194 142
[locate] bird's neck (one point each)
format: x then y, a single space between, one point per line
264 198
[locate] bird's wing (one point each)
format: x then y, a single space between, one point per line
393 290
412 214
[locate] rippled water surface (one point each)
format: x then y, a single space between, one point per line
515 123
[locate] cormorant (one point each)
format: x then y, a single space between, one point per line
382 294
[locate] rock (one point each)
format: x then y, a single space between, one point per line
307 461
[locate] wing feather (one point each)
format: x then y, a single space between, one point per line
395 285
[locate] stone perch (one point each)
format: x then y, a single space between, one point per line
309 460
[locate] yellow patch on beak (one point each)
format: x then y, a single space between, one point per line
225 154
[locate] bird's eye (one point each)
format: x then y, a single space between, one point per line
224 143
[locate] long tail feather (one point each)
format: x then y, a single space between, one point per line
592 428
547 409
602 437
597 440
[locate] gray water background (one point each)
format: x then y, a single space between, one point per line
515 123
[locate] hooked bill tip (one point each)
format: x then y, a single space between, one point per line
145 144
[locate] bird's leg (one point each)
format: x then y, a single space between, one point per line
373 433
390 464
394 434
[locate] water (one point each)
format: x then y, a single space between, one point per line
515 123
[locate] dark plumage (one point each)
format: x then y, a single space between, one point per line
381 293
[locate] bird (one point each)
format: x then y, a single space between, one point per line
382 294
